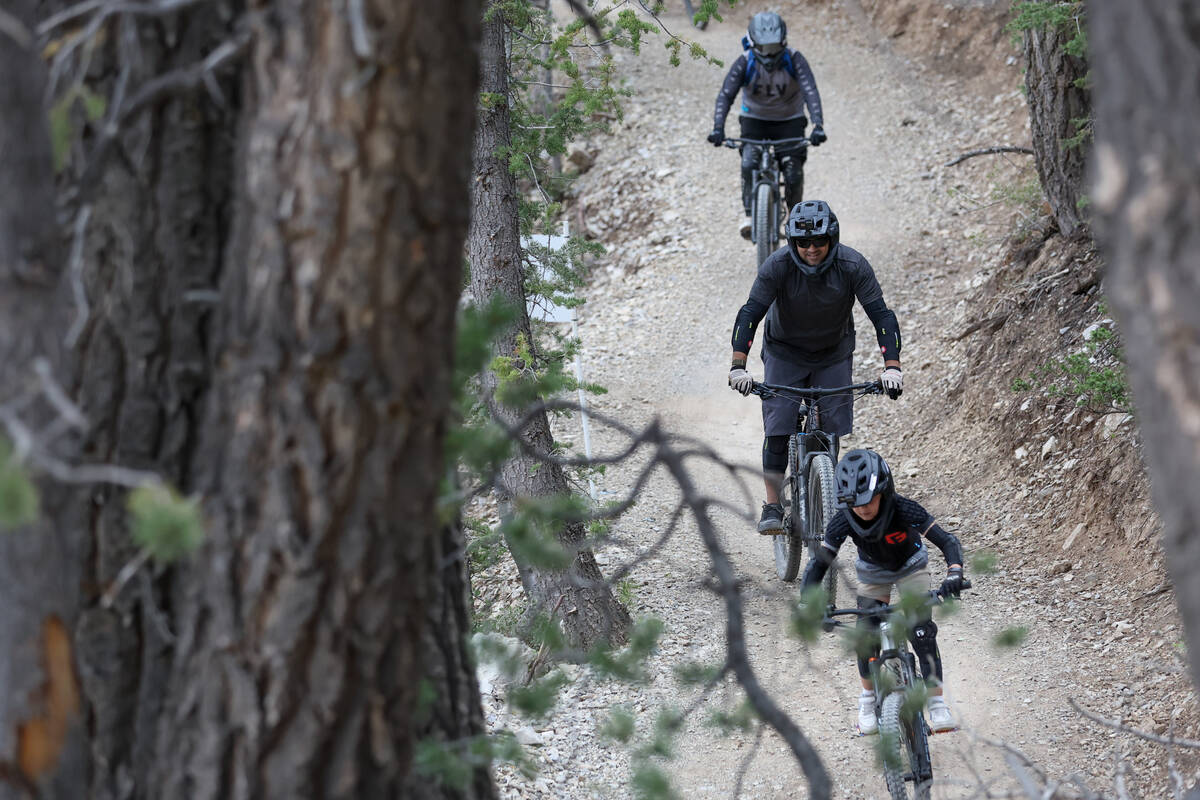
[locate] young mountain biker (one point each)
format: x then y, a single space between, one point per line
888 529
806 291
776 84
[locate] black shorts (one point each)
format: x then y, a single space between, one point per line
837 411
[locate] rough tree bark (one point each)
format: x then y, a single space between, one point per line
1146 57
1055 102
42 748
158 231
579 597
306 642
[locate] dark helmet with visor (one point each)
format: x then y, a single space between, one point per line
768 38
860 476
812 219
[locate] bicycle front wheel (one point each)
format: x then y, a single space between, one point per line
821 508
904 747
789 550
765 231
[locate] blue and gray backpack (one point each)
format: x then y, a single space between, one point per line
752 62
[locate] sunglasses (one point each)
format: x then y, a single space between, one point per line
806 242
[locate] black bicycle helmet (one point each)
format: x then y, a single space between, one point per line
860 475
768 38
812 218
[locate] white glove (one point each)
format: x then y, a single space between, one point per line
740 380
893 381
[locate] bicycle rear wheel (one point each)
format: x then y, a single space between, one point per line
902 743
765 231
788 546
821 508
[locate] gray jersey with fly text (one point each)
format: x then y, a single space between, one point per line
771 94
810 321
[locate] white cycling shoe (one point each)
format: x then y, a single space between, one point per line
941 719
868 723
744 231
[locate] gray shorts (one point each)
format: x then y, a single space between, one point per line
875 581
837 411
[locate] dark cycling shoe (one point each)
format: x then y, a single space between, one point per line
771 521
745 229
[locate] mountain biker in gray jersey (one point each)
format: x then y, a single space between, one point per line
776 84
806 291
889 531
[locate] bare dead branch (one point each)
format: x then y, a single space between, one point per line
14 29
75 271
1017 767
1121 768
108 8
57 396
127 572
360 37
992 324
1118 726
987 151
735 635
178 81
744 767
28 448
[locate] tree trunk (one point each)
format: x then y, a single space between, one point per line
1147 191
328 604
1056 107
579 596
157 235
42 749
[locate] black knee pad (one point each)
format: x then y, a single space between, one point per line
751 153
775 451
868 641
792 167
924 642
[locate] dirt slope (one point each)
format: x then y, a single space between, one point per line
655 332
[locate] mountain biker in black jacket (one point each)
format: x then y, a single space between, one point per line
887 529
776 84
806 291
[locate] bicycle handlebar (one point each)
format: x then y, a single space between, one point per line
772 389
935 597
734 141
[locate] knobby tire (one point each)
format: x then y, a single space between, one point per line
789 549
766 229
822 505
898 742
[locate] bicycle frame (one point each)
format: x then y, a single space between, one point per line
807 420
767 172
800 501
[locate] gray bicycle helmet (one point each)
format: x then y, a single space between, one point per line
812 218
768 38
861 475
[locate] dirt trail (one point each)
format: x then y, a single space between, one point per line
657 338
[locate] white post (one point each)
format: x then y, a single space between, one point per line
583 415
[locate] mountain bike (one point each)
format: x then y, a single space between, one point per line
808 494
903 732
767 213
